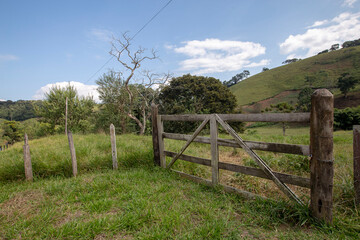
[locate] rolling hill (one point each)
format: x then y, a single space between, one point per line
326 68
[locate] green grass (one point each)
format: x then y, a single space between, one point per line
325 67
140 201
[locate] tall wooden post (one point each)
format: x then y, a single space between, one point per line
214 150
66 114
155 133
27 160
160 127
73 154
322 160
356 150
113 147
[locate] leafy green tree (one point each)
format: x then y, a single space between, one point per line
114 100
282 107
195 94
346 82
346 118
119 107
12 131
265 69
310 79
80 110
237 78
304 99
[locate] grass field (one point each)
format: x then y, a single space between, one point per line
325 67
140 201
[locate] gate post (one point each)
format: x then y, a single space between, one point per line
322 158
356 150
155 139
214 150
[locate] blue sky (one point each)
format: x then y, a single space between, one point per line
43 43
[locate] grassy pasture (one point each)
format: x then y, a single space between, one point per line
325 67
140 201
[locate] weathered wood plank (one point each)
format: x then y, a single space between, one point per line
258 117
356 149
322 160
197 131
73 154
256 172
285 189
214 151
27 160
113 147
160 127
155 134
263 146
246 194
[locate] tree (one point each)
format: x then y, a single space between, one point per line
291 60
12 131
265 69
237 78
346 82
351 43
334 47
304 99
324 51
282 107
52 110
310 80
195 94
131 61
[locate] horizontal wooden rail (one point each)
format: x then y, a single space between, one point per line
258 117
226 188
286 178
271 147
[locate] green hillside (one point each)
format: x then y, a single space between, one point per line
326 68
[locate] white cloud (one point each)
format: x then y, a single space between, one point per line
214 55
82 89
2 100
342 28
263 62
101 34
318 24
8 57
349 3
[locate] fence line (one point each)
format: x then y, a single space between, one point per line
320 149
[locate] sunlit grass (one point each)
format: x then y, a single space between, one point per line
146 202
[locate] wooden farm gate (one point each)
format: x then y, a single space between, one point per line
320 150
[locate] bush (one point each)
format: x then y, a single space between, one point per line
344 119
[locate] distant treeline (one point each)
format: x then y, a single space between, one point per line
19 110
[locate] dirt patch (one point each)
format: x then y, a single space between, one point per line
260 105
25 204
352 100
117 236
68 217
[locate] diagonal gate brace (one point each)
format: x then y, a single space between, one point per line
263 166
189 141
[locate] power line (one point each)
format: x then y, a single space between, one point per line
142 28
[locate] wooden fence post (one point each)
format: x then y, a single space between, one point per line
322 159
155 133
160 127
73 154
214 150
27 160
66 115
113 147
356 147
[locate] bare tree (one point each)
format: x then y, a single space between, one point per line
132 61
